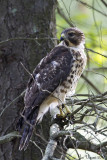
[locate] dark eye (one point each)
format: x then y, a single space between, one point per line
71 34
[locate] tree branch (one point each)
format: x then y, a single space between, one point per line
91 7
64 17
51 144
25 38
9 137
88 49
14 100
104 2
91 84
82 143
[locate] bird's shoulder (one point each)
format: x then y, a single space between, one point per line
56 55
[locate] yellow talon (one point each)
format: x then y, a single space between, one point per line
67 109
61 112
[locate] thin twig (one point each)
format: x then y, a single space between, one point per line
24 38
91 7
91 84
12 102
88 49
64 17
37 146
27 70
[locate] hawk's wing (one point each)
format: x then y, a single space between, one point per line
49 73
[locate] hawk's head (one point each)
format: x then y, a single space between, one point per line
72 37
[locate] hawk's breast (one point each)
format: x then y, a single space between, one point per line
69 85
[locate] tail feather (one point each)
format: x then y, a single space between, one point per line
28 129
19 124
26 137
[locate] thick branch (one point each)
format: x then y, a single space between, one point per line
82 143
51 144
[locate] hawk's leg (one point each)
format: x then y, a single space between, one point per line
61 114
63 117
66 108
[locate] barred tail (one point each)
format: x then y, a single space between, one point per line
28 127
27 133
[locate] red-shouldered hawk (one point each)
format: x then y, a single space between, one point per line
54 77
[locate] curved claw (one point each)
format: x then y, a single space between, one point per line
62 113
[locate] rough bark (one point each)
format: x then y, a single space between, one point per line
26 19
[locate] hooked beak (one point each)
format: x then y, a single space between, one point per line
62 37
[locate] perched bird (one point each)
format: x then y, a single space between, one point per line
53 79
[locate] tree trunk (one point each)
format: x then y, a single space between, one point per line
21 21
